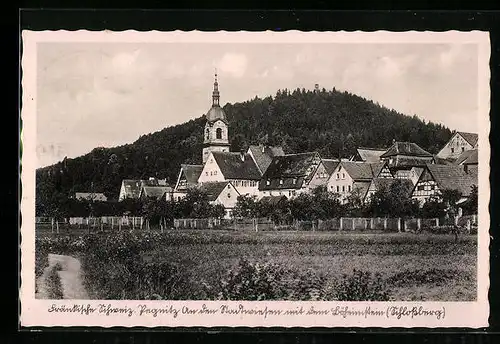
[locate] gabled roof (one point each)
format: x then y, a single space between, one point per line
370 154
191 173
453 177
359 171
273 200
467 158
232 166
214 189
263 155
155 191
133 186
406 148
330 165
291 165
469 137
96 196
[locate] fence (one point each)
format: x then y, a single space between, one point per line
90 223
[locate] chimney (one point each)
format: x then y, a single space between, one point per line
263 148
242 155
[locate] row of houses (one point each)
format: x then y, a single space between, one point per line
267 171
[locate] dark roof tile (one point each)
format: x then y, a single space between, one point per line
233 166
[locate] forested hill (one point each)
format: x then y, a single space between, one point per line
331 122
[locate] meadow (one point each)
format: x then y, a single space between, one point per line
272 265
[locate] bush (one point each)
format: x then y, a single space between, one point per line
54 283
266 281
433 276
361 286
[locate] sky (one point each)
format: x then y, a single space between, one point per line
107 94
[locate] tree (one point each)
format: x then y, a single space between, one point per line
246 206
393 200
470 207
433 208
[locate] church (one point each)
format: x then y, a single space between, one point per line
229 174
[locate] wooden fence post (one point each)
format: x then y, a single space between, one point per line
385 223
52 224
419 224
353 224
371 223
57 226
340 224
399 224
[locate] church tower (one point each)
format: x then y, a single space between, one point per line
216 129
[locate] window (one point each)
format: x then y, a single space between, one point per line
463 149
289 193
338 175
208 134
206 173
228 195
281 181
211 173
215 173
343 175
295 180
349 187
293 192
218 133
343 188
452 150
268 182
228 186
337 188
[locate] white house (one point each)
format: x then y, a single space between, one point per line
238 168
355 177
223 193
459 143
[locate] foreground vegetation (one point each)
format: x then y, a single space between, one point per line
260 266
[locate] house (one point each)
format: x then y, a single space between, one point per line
364 154
469 160
188 177
403 157
323 173
437 178
223 193
156 192
131 188
355 177
459 143
380 183
238 168
262 155
91 196
289 174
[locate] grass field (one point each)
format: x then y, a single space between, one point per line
414 267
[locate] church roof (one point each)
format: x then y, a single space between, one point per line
232 166
263 155
216 113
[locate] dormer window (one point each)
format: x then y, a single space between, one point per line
295 180
281 181
268 182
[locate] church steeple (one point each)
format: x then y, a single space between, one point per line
216 128
215 93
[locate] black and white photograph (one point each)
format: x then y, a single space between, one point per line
237 171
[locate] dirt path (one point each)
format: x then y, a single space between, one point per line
70 275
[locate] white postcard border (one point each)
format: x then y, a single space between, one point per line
35 312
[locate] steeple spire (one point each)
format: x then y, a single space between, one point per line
215 94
